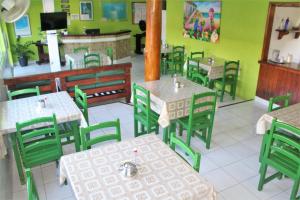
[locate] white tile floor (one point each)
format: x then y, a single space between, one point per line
231 164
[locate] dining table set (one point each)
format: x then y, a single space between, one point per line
95 173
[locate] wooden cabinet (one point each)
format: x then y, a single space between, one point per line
277 80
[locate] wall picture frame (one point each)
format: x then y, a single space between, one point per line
86 10
202 20
22 27
138 12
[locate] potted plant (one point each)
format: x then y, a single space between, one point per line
22 51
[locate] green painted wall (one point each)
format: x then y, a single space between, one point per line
76 26
241 37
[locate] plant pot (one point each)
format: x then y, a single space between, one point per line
23 61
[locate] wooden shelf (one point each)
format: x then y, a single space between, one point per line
282 33
296 30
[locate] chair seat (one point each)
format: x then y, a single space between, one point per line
227 82
41 156
200 123
143 119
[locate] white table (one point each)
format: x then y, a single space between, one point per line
215 70
289 115
170 103
162 174
24 109
76 60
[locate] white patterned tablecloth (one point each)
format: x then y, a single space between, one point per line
77 60
170 103
214 70
162 174
289 115
24 109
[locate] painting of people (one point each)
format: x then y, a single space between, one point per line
202 20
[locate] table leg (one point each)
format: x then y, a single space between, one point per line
211 84
166 135
75 129
13 140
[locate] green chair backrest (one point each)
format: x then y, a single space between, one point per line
282 102
231 71
81 102
198 54
199 78
37 141
191 65
179 48
16 93
203 105
91 60
141 101
110 53
81 49
88 142
32 193
283 151
174 141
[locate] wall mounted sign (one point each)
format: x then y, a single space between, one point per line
138 12
86 10
22 27
202 20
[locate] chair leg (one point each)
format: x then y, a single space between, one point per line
157 130
208 138
263 146
143 129
222 93
234 91
262 171
180 129
295 190
136 128
188 137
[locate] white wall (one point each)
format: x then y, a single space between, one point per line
288 44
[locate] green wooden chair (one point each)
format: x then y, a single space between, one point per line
199 55
88 142
282 154
110 53
41 145
191 67
81 49
92 60
175 60
81 102
32 193
174 141
143 114
200 79
23 92
282 102
201 117
230 78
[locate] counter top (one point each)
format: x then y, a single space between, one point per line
293 66
101 34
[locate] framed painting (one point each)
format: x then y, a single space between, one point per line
114 11
22 27
86 10
202 20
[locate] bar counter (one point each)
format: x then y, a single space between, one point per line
119 41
